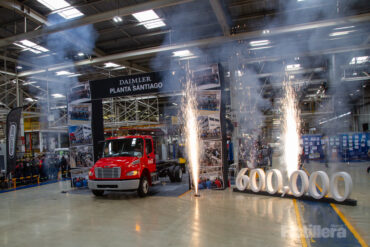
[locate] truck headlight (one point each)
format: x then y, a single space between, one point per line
131 173
91 173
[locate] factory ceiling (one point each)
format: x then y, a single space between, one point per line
93 39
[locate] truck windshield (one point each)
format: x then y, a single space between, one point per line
131 147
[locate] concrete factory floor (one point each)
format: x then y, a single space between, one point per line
43 216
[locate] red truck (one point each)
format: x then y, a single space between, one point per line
129 164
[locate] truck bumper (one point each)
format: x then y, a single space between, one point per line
132 184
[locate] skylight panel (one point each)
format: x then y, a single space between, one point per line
62 7
291 67
149 19
146 15
30 46
359 60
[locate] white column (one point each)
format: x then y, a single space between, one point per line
41 142
59 144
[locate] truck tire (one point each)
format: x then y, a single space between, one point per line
178 173
171 174
143 189
98 192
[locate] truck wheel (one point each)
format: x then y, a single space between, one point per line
178 174
98 192
171 174
143 189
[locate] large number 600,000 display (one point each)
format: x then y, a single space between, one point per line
307 184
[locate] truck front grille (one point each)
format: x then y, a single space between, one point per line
114 172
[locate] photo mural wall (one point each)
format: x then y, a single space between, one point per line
211 119
79 126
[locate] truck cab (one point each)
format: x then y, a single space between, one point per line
127 164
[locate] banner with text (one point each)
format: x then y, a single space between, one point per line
154 82
12 132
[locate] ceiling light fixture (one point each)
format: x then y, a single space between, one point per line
63 72
340 33
291 67
30 99
149 19
259 42
58 95
117 19
341 28
182 53
74 75
28 83
111 65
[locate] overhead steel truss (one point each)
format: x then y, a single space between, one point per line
130 111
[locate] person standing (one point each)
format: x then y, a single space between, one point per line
63 165
269 152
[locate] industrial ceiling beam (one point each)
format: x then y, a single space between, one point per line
15 61
216 41
307 54
91 19
221 16
121 40
23 10
38 18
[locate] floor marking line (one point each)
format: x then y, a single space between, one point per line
344 219
184 193
298 216
349 226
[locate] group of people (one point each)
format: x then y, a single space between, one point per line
45 166
256 154
206 183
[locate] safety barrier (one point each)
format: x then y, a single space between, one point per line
36 178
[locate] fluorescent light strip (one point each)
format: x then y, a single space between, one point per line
28 83
63 72
119 68
182 53
340 33
74 75
58 95
111 65
341 28
259 42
